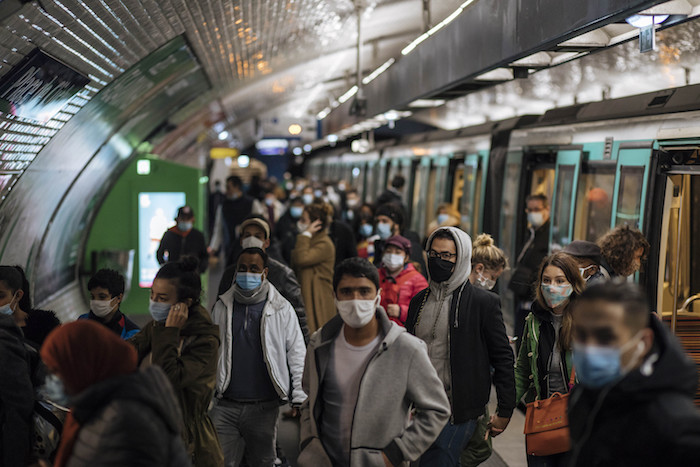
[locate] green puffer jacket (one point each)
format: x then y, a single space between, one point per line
529 382
188 356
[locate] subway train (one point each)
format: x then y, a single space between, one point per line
633 160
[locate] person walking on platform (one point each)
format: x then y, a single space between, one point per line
313 258
463 328
399 280
16 393
260 364
623 250
285 231
119 415
255 233
544 363
634 404
389 220
106 294
184 342
529 259
488 263
236 207
364 375
393 194
183 239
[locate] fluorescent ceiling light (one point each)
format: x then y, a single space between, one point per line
369 78
348 94
223 135
427 103
643 21
243 161
409 48
324 113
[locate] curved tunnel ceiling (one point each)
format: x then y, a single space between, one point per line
239 59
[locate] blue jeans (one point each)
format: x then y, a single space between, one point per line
448 446
248 428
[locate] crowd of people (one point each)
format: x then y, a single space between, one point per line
383 344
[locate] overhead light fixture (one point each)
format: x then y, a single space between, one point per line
644 21
323 114
223 135
297 151
332 139
348 94
243 161
369 78
307 148
499 74
294 129
410 47
425 103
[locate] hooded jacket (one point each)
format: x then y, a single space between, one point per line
282 341
398 377
475 336
129 420
188 356
16 395
647 418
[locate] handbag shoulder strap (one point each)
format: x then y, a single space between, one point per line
572 380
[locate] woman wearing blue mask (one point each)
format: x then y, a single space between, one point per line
544 361
16 394
184 342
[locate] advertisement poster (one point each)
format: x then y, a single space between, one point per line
157 213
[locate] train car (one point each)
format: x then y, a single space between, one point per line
633 161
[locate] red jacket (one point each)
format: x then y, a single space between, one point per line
401 289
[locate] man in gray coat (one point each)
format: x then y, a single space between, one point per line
364 375
255 233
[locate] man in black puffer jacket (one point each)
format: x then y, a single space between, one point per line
634 404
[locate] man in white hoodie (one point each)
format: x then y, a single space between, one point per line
463 328
261 362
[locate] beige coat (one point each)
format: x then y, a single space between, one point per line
313 260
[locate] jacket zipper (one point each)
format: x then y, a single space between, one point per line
263 323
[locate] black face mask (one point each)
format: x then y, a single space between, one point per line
440 270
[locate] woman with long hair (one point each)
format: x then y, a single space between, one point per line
544 362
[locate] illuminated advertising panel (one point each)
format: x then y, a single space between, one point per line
156 215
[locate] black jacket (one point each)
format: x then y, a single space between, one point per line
16 396
177 244
478 342
285 281
642 420
525 274
286 235
129 420
343 239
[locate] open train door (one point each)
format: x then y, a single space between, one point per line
563 209
674 228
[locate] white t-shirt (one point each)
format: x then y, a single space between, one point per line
341 386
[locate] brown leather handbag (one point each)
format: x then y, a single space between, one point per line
547 426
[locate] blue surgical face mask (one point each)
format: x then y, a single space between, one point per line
159 311
55 391
598 366
7 308
296 211
384 230
308 198
184 226
442 218
555 295
248 280
366 230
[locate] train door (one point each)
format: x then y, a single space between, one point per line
596 187
456 181
371 180
473 193
632 174
678 272
564 201
421 179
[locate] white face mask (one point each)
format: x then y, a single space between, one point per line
102 308
393 261
357 313
536 219
485 282
252 242
302 227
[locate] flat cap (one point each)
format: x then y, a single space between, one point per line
262 223
400 242
583 249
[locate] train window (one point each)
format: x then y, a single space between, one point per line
594 202
508 209
561 232
629 197
470 170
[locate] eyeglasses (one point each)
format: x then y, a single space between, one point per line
445 255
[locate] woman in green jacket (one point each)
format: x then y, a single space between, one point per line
544 366
184 342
